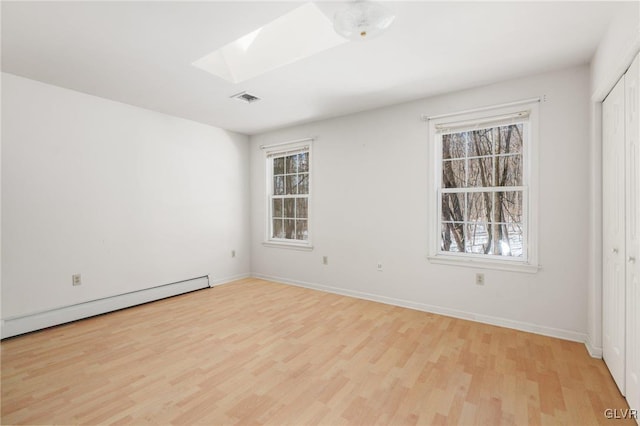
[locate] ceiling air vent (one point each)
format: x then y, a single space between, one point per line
245 97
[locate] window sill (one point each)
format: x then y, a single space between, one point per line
485 264
289 246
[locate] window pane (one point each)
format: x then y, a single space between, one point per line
484 159
513 240
278 185
480 172
303 183
301 208
289 207
481 143
278 166
292 184
453 174
506 239
453 207
301 230
454 145
510 139
278 228
509 170
303 162
292 164
452 239
290 229
479 206
289 211
509 206
477 238
277 207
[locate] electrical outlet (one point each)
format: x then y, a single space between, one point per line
380 267
479 279
76 279
233 253
325 260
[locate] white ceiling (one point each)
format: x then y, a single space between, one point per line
141 53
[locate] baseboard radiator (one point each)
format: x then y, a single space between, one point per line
17 325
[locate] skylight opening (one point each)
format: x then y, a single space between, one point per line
246 41
303 32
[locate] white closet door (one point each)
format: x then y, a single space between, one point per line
613 217
632 131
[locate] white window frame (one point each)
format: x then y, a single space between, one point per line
275 151
468 119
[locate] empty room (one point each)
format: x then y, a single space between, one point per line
331 213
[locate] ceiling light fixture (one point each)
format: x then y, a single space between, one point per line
362 20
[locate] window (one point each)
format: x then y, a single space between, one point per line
483 188
288 177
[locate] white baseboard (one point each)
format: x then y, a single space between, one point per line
14 326
594 351
229 279
485 319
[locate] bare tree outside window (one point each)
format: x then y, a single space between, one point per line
482 191
289 196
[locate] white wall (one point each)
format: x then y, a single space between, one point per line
369 206
614 54
616 50
127 197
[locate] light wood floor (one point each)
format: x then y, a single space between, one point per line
256 352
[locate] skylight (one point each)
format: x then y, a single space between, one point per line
301 33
